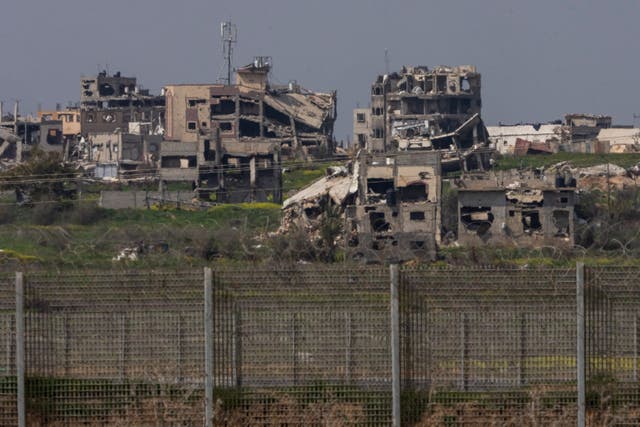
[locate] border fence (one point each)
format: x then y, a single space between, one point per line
313 345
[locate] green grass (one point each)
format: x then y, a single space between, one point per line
220 231
298 176
624 160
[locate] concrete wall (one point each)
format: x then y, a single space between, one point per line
179 112
361 127
141 199
507 226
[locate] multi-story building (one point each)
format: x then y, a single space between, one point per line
109 103
396 215
430 109
361 127
239 133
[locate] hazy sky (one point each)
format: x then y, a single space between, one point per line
538 59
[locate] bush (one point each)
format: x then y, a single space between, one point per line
86 214
45 213
7 214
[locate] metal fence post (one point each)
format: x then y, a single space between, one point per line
580 347
347 347
22 420
237 347
464 354
208 346
395 345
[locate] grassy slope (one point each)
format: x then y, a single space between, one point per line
191 237
577 159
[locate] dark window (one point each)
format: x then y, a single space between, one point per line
360 117
225 106
191 125
416 216
225 126
377 221
194 102
531 221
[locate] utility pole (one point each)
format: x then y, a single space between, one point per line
229 35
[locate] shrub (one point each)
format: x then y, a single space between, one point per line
45 213
7 214
86 214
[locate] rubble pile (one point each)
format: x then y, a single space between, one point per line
307 208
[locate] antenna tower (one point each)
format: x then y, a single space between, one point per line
229 35
386 61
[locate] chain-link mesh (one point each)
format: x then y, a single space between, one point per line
612 299
488 345
311 346
114 348
8 384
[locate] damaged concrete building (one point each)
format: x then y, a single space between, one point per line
390 204
396 214
108 103
430 109
121 125
239 133
579 133
521 209
19 134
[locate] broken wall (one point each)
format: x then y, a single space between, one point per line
397 213
522 216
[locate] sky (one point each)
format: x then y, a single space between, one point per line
539 60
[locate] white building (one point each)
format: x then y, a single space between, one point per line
503 138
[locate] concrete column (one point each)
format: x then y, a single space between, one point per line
261 106
252 176
277 177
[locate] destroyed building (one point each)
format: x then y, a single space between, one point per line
108 103
121 125
430 109
238 134
19 134
396 215
524 209
70 119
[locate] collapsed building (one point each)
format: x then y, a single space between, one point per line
430 109
20 134
232 138
390 205
522 208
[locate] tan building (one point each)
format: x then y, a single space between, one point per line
361 127
241 132
70 119
187 111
